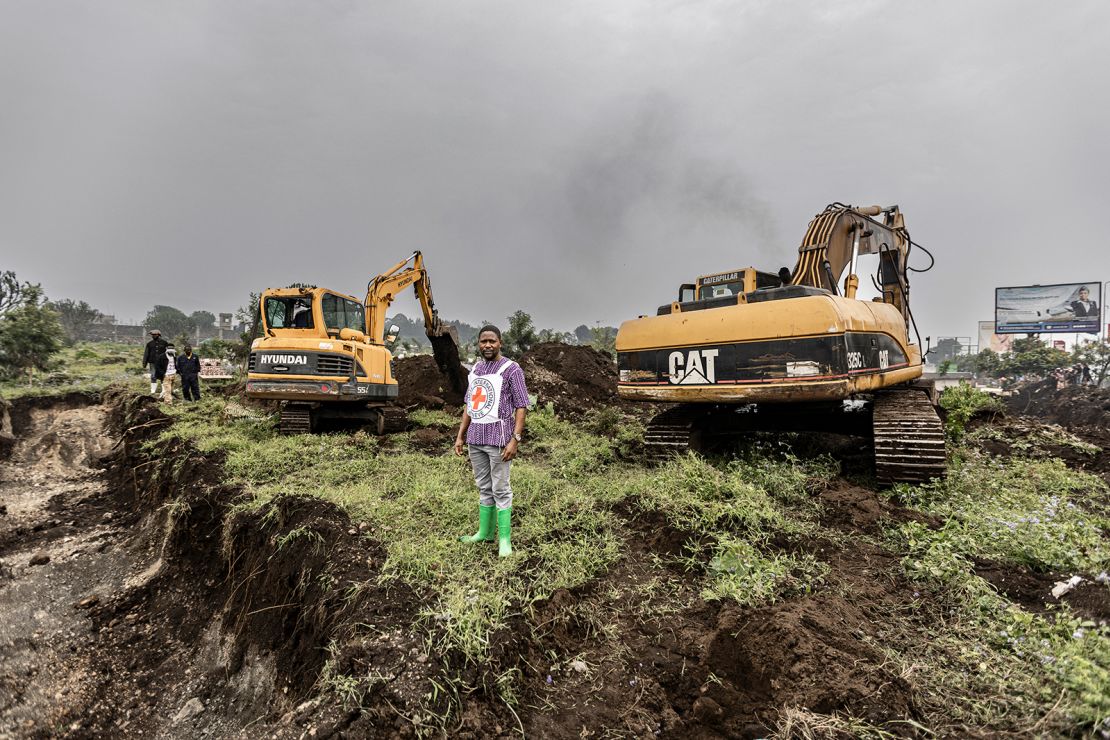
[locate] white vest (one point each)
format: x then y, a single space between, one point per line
483 396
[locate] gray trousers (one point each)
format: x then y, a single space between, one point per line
492 476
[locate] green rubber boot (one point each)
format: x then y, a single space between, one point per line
504 532
485 526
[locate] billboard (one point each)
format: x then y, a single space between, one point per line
989 339
1034 309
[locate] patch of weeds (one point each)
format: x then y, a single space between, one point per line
976 660
1054 434
757 496
740 572
1016 510
962 402
314 538
348 689
433 418
572 452
1040 440
799 723
89 366
976 643
626 432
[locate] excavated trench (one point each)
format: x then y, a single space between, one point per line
136 599
131 604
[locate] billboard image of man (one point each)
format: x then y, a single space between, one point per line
1084 307
1062 307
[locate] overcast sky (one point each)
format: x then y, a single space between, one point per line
578 160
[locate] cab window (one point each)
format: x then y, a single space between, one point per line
342 313
766 280
288 313
722 289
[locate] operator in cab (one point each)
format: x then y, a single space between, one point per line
492 425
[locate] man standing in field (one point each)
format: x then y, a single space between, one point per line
492 425
154 353
188 368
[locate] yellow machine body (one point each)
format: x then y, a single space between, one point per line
326 357
321 350
747 336
810 348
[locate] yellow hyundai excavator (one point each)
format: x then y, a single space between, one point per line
798 350
323 354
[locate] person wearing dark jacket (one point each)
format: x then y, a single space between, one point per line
188 368
153 356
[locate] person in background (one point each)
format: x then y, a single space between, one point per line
169 372
188 367
152 358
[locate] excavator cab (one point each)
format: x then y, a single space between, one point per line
736 282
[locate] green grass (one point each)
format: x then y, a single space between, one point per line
742 573
566 486
86 366
987 662
1039 441
1017 510
960 403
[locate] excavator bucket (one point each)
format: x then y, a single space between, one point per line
445 349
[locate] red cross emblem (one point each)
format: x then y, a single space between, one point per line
478 397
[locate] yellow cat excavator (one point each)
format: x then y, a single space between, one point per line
324 354
748 350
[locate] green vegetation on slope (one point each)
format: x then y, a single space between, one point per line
85 366
1013 662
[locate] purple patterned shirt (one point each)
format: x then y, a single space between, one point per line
514 395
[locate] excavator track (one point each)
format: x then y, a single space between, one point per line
669 434
394 419
909 438
296 418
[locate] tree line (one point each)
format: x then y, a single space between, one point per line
518 335
1030 357
33 329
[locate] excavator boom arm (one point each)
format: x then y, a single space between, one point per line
380 293
841 233
383 289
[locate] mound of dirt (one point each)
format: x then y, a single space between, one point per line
421 384
803 653
572 378
1077 406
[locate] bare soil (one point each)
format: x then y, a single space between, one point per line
1084 410
574 379
421 384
